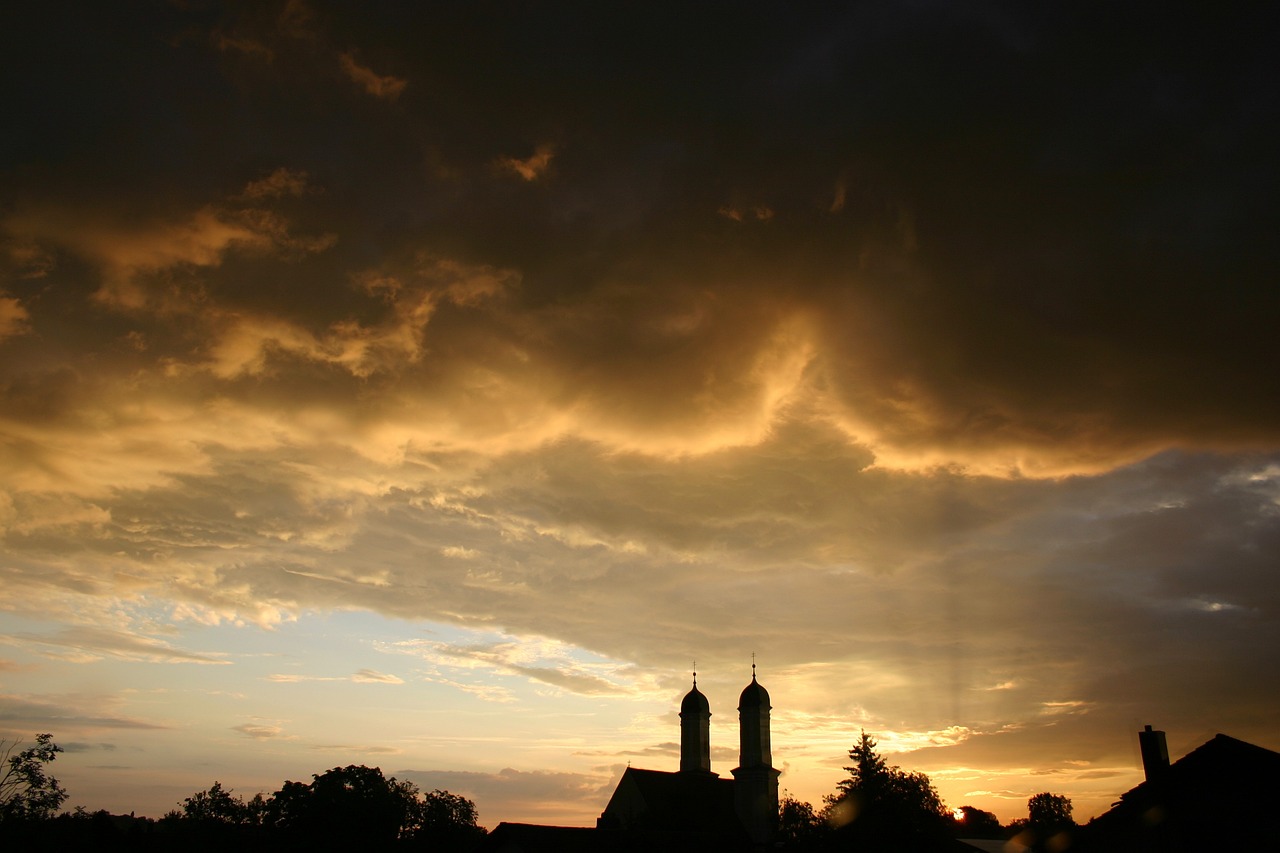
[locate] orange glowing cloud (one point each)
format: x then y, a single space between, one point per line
380 86
13 317
281 182
531 168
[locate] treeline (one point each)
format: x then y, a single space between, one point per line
880 807
877 807
346 808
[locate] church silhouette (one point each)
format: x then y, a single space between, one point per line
693 808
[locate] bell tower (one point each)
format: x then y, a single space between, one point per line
695 732
755 781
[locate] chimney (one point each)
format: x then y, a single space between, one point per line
1155 752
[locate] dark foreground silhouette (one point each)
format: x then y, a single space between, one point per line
346 808
1219 796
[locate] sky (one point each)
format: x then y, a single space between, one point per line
431 385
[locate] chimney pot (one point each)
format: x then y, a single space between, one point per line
1155 752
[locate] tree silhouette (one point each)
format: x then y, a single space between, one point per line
1049 812
354 806
880 805
975 823
1048 825
218 805
26 790
443 820
799 826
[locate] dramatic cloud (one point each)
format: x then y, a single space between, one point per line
924 352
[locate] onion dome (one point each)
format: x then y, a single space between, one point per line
695 703
754 696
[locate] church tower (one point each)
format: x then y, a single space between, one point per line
756 782
695 732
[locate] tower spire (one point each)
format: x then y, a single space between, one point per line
695 730
755 779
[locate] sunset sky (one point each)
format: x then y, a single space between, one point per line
429 385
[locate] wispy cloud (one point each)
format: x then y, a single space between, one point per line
370 676
534 658
548 795
743 213
13 317
281 182
532 167
241 45
380 86
259 731
360 749
84 644
42 713
363 676
135 258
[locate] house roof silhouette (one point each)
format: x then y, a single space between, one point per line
1222 795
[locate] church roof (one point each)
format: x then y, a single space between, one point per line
673 802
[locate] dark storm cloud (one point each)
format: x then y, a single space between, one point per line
1052 220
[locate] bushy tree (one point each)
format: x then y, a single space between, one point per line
26 790
1048 825
1049 813
973 822
354 806
354 803
444 820
217 805
880 804
359 804
799 826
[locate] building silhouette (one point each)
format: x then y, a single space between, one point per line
693 808
1220 796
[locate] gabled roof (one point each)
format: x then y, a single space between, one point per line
654 800
1221 795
